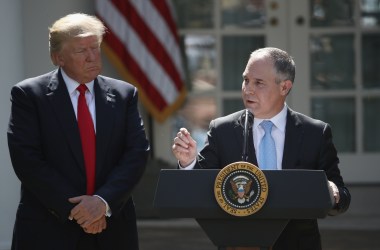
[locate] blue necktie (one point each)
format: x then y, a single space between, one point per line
268 159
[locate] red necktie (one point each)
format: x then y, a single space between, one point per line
87 136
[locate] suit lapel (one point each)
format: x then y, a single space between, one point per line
104 105
61 103
293 138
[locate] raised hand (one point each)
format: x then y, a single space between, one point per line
184 147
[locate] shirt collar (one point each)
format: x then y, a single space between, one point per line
278 120
72 85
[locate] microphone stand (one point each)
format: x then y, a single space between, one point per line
247 126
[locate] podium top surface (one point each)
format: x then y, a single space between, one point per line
293 194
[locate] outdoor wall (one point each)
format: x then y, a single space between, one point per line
11 71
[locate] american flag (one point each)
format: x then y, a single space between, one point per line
142 43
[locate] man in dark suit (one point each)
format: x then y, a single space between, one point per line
76 177
300 141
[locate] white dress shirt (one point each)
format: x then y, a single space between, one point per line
72 86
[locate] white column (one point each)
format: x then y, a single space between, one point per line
11 71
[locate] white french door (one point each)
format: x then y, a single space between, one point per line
336 47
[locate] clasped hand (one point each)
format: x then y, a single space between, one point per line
89 213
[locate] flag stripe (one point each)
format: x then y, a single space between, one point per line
130 63
143 44
149 39
126 34
162 29
166 14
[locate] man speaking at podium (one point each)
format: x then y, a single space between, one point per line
282 139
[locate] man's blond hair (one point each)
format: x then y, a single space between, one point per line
71 26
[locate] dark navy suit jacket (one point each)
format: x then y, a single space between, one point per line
46 154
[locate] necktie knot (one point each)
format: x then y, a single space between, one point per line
267 126
82 88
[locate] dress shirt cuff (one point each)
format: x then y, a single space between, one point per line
189 167
108 212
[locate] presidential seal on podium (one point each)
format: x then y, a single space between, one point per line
241 188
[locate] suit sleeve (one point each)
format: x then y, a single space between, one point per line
46 185
329 162
130 165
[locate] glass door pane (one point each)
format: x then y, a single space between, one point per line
194 14
371 120
340 114
332 61
370 13
371 61
329 13
235 54
243 13
200 60
232 105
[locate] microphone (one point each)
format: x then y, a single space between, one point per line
246 121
